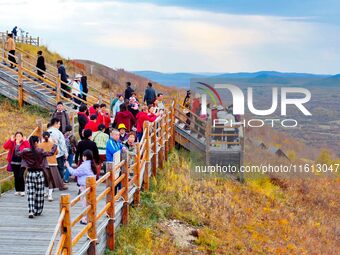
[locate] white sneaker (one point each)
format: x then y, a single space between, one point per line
50 198
17 193
46 195
22 194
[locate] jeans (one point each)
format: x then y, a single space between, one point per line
139 136
61 167
67 173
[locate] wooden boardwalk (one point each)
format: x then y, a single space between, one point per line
20 235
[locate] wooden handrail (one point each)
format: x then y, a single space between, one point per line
161 131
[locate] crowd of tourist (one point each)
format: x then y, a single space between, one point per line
50 160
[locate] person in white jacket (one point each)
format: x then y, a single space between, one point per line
59 139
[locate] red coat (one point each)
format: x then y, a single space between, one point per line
104 119
92 125
127 118
143 116
10 146
92 111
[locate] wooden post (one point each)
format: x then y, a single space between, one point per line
207 141
20 82
38 41
241 175
172 125
136 198
92 214
66 223
147 156
110 198
166 144
40 128
58 88
125 195
154 149
161 143
72 122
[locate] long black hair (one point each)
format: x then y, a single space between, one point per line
89 156
34 140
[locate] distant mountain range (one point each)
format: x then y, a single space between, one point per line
261 77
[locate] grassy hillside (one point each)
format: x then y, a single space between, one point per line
226 217
12 119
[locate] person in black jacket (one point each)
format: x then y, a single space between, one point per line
128 91
83 81
87 144
150 94
82 119
41 67
63 77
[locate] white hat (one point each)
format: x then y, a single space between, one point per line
78 77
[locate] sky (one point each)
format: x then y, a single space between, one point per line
188 35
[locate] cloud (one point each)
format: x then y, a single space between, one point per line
139 36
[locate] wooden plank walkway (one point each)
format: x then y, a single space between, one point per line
21 235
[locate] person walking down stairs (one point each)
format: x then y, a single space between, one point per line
10 47
63 77
41 67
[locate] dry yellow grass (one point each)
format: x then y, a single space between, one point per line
232 218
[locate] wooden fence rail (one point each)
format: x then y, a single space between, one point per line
156 142
22 39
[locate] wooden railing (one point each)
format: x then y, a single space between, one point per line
151 152
52 73
52 84
22 39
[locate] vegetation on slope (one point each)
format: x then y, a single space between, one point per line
13 119
232 218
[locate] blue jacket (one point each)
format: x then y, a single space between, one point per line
112 147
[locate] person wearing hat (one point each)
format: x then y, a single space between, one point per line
123 136
51 173
128 91
77 90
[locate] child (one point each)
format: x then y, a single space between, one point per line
51 172
86 169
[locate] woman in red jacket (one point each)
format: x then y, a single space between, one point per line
104 118
146 114
124 116
14 161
